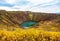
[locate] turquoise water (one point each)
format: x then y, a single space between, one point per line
28 24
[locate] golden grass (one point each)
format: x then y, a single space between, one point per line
30 34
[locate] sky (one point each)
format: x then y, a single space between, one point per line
48 6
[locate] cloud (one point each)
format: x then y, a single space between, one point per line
51 6
23 8
10 1
51 9
39 1
6 8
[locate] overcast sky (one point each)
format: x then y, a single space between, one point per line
49 6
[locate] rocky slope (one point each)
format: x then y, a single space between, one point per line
15 18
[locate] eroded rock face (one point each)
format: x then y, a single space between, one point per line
14 18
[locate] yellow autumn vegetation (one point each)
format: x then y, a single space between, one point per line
30 34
